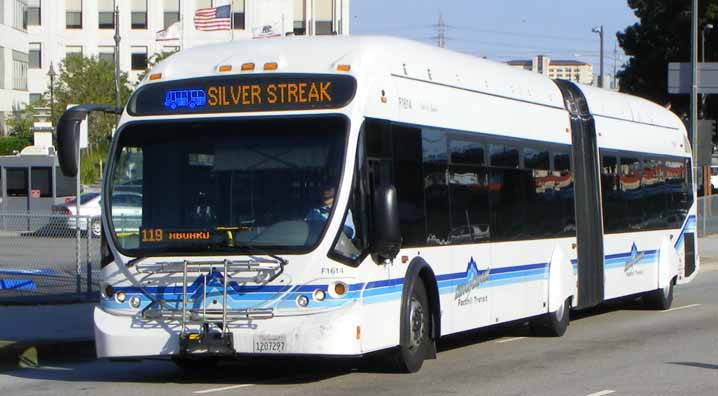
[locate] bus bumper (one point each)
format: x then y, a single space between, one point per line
325 333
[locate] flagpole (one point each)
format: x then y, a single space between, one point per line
231 19
181 23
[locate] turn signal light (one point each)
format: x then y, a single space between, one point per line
247 66
340 289
269 66
344 68
155 77
225 68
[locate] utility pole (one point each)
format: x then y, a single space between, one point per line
614 84
599 30
694 84
117 63
441 32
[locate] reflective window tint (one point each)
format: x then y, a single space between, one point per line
536 159
631 192
470 215
409 186
436 192
466 151
504 156
563 189
613 204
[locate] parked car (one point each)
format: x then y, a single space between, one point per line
125 203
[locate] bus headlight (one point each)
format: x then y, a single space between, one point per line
302 301
319 295
135 302
120 297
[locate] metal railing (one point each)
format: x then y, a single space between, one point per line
47 258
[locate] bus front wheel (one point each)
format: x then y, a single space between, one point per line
552 324
415 328
660 299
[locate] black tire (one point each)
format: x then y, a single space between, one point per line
415 328
660 299
552 324
187 364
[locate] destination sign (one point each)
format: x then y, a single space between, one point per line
232 94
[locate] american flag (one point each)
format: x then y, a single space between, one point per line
213 19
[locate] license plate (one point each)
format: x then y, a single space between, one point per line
270 343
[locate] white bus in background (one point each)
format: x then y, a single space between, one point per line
345 196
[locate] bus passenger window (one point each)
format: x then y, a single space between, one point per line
613 207
409 185
631 193
466 151
436 191
504 156
563 188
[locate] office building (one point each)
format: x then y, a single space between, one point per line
13 59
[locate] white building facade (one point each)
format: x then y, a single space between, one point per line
13 59
61 27
572 70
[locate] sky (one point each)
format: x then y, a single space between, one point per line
503 30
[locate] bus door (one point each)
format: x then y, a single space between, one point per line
587 196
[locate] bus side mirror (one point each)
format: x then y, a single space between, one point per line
387 233
68 135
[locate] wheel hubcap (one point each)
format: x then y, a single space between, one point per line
416 324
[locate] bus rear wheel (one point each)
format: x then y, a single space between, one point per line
552 324
660 299
415 326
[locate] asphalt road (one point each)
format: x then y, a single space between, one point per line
617 349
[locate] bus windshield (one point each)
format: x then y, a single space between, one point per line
244 186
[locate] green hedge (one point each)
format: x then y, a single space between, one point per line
13 143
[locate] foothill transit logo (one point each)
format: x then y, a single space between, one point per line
630 267
475 279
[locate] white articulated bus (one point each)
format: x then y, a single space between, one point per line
342 196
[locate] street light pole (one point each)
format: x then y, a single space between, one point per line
702 97
51 74
117 62
599 31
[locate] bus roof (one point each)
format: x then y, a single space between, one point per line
378 57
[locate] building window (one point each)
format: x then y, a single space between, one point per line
16 182
105 15
73 50
19 13
238 21
35 56
300 18
2 65
35 97
139 14
19 70
172 13
323 24
73 14
41 179
107 54
34 14
139 58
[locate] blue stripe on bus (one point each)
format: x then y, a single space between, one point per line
17 284
375 291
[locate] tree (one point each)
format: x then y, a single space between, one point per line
88 80
663 35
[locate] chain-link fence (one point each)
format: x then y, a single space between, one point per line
48 258
707 215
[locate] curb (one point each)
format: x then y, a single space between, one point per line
25 354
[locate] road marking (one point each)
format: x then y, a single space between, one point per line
683 307
510 339
224 388
602 393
